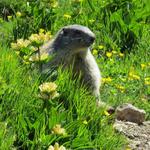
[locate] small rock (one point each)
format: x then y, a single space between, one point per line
128 112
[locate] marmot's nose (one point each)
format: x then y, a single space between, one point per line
91 39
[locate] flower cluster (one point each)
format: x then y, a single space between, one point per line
145 65
95 51
56 147
20 44
67 16
106 113
54 4
100 47
39 39
108 54
48 90
147 81
25 48
106 80
34 40
36 58
9 17
133 76
18 14
120 88
85 122
57 129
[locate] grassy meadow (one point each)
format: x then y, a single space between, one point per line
56 112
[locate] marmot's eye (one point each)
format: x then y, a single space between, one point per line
65 32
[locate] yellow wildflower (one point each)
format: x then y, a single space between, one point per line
54 95
47 36
121 88
121 54
41 30
67 16
26 43
57 129
14 46
18 14
54 4
20 44
44 56
108 54
35 58
35 39
147 79
114 52
42 37
39 39
95 52
49 33
143 66
106 113
9 17
20 41
85 122
48 87
48 90
33 48
107 80
123 79
56 147
101 47
147 82
133 76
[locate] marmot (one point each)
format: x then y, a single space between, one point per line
71 46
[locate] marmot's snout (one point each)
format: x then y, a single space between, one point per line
91 39
89 36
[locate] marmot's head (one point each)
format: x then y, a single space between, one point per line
74 37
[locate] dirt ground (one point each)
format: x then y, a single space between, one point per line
137 135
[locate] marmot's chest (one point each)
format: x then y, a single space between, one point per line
86 66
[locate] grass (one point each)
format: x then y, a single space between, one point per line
30 121
27 121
